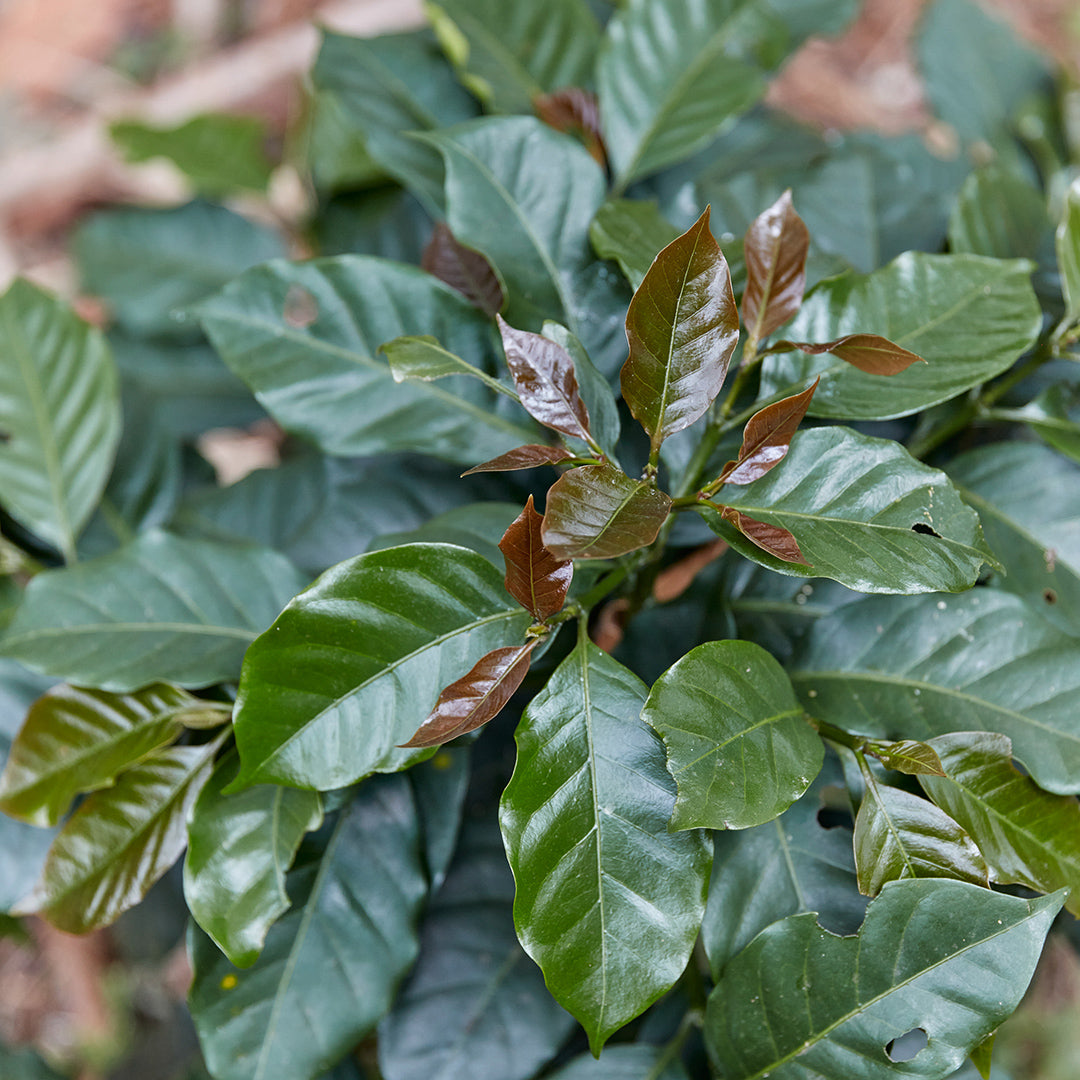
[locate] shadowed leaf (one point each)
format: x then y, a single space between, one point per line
774 539
534 577
871 353
463 269
775 249
576 111
524 457
907 756
630 231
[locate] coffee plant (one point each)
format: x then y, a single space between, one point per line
676 540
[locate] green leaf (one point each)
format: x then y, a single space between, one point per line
1027 835
422 357
476 526
335 150
608 901
970 317
25 1065
865 513
59 415
75 741
494 1019
508 54
217 152
638 1061
1053 415
925 666
348 655
385 221
319 377
630 231
1067 239
388 87
120 841
799 1002
439 786
150 265
331 966
999 213
598 512
907 756
159 609
239 849
737 743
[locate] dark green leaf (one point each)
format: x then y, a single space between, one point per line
608 901
161 608
335 149
906 756
925 666
1053 415
631 232
534 577
1068 253
624 1062
598 512
331 966
239 849
775 250
798 1002
970 317
999 213
463 269
738 745
59 415
477 526
523 457
682 326
439 786
347 673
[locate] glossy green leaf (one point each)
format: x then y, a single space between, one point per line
463 269
120 841
598 512
239 849
420 356
925 666
159 609
59 415
970 317
76 740
1000 213
1027 835
331 966
943 956
737 743
349 656
608 901
508 54
319 376
493 1019
1067 239
865 513
630 231
388 87
638 1061
682 326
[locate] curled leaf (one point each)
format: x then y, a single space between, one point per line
771 538
872 353
534 577
576 111
775 246
523 457
463 269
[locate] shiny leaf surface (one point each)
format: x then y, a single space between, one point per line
906 756
534 577
523 457
775 249
630 231
775 540
870 353
463 269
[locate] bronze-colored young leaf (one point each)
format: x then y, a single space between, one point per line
598 512
574 110
767 437
477 697
682 326
907 756
544 376
534 577
776 245
523 457
872 353
771 538
463 269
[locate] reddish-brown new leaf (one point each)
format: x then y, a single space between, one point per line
523 457
463 269
767 438
477 697
871 353
576 111
775 248
534 577
771 538
544 376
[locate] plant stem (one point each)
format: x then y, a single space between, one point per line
838 735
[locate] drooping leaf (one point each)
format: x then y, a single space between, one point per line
774 540
598 512
508 54
239 850
767 438
899 835
1067 239
682 326
347 673
608 902
161 608
924 666
534 577
463 269
855 528
420 356
970 317
775 250
523 457
330 967
907 756
322 380
494 1019
120 841
1000 213
477 697
1027 835
630 231
799 1002
737 743
870 353
76 740
59 415
577 111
